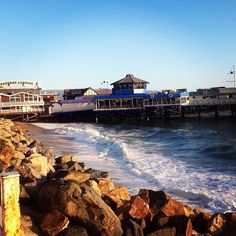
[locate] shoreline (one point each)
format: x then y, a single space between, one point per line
148 212
59 143
65 139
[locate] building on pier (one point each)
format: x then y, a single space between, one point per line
127 94
213 96
130 93
20 98
167 99
77 104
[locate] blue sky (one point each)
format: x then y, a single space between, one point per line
80 43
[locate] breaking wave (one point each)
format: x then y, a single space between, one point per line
194 165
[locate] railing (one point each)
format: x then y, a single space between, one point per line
206 102
23 104
21 111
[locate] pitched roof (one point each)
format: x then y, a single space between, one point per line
103 91
77 92
129 79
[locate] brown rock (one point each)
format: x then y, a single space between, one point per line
33 144
53 223
59 174
160 202
72 166
200 220
50 154
139 208
93 184
105 186
182 224
188 211
35 173
15 162
47 196
66 158
159 221
216 224
5 132
77 176
131 228
121 193
74 231
39 163
22 147
230 224
117 197
6 153
24 196
28 228
230 218
26 175
164 232
98 174
80 203
195 233
17 138
19 155
84 205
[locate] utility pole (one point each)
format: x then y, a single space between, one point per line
232 72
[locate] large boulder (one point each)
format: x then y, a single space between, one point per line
82 204
66 158
74 231
164 232
72 166
39 163
47 195
77 176
136 209
6 154
160 202
131 228
200 220
139 209
216 224
28 228
98 174
116 197
105 186
53 223
182 224
93 184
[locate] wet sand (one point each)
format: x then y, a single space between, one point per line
63 145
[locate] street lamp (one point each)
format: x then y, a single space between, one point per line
232 72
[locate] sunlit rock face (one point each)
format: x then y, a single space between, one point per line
10 190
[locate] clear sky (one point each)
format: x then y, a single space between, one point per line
80 43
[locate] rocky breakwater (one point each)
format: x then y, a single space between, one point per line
62 196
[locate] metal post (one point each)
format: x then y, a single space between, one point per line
10 208
232 72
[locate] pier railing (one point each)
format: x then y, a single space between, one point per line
206 102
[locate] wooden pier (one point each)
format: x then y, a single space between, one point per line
166 112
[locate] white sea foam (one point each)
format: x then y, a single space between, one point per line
131 154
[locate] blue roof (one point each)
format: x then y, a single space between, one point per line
138 95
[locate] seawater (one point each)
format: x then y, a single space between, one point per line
194 162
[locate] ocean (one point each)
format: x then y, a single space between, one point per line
193 161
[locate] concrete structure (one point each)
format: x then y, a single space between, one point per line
10 208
